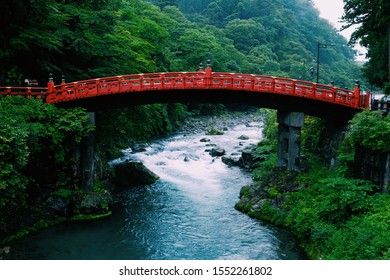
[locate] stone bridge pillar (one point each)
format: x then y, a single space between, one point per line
88 157
289 139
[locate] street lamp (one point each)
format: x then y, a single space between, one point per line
319 45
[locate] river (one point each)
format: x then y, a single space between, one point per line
187 214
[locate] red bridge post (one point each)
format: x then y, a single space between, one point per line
50 84
356 95
208 74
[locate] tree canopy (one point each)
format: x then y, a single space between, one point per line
87 39
372 18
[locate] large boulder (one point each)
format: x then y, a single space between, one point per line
248 156
133 173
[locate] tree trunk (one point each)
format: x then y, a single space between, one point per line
389 52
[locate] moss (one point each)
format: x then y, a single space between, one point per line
42 224
245 191
63 193
274 192
90 217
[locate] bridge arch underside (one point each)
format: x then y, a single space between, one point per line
312 107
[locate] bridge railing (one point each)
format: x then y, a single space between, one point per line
38 92
192 80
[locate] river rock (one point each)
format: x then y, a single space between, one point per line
231 160
205 140
217 152
133 173
189 157
214 131
211 145
138 148
95 203
58 205
243 137
248 156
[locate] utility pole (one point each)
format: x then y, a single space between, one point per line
319 46
389 51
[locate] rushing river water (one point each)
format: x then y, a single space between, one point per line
188 214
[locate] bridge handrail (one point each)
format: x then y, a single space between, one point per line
192 80
28 92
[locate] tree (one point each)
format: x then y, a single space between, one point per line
38 35
373 33
163 3
246 34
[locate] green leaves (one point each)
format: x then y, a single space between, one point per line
372 32
370 130
344 218
88 39
38 150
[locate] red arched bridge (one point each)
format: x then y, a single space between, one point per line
202 86
292 98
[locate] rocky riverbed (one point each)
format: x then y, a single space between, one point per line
210 126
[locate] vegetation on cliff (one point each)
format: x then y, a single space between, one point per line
39 154
335 216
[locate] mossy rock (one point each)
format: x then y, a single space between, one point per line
132 174
95 203
214 131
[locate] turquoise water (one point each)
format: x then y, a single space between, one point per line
188 214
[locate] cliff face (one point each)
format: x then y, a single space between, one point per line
373 166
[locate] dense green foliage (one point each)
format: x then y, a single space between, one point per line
100 38
38 149
343 218
373 20
335 216
371 130
271 37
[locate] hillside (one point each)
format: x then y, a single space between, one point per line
87 39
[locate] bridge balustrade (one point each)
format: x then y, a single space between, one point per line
304 89
37 92
263 83
192 80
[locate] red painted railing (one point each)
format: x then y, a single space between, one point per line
205 80
28 92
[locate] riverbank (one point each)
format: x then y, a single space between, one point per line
334 216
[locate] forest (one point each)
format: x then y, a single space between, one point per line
86 39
